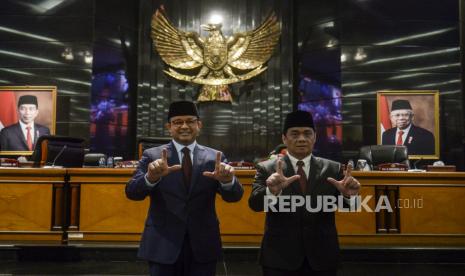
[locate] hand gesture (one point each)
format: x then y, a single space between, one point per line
223 172
348 186
277 181
159 167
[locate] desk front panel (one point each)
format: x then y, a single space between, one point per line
31 204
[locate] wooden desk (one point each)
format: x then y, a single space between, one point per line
32 204
429 209
100 212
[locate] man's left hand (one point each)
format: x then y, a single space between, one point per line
348 186
223 172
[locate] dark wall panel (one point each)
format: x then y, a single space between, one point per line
248 128
385 45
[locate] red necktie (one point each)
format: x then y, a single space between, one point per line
399 138
303 176
29 138
186 166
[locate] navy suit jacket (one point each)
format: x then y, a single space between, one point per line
12 137
419 140
290 237
174 210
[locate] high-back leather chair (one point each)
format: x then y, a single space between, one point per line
379 154
144 143
59 151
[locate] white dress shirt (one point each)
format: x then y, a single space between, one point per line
351 200
294 161
179 148
404 135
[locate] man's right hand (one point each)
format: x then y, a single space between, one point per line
159 168
277 181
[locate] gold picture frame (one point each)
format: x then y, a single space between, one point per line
424 121
44 121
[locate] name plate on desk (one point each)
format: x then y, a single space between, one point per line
393 167
8 162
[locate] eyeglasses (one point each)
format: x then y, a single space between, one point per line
398 115
180 123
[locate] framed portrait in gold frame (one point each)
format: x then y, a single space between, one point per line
26 113
409 118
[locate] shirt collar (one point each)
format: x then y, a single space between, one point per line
405 130
23 125
179 147
294 160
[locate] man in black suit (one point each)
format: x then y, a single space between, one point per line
302 242
182 178
418 140
23 135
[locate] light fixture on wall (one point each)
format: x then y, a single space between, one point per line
343 57
331 43
215 18
68 54
87 57
360 54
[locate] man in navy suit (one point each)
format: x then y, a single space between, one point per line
182 178
23 135
418 140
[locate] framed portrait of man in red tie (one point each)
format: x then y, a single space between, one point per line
26 113
409 118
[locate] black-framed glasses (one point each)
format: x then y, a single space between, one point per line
180 123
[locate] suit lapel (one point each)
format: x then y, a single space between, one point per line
20 135
409 140
199 157
312 179
36 134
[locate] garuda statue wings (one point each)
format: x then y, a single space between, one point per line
214 61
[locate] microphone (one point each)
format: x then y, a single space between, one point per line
56 157
415 166
416 162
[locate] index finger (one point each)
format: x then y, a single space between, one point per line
218 161
279 166
348 170
164 155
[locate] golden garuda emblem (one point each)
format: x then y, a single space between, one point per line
214 61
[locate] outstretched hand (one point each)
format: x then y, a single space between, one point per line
160 168
223 172
277 181
348 186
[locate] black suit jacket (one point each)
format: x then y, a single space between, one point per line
419 140
174 210
290 237
12 137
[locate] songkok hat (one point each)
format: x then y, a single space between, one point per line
28 99
298 119
182 108
400 104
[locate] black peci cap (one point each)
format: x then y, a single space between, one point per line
28 99
400 104
182 108
298 119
